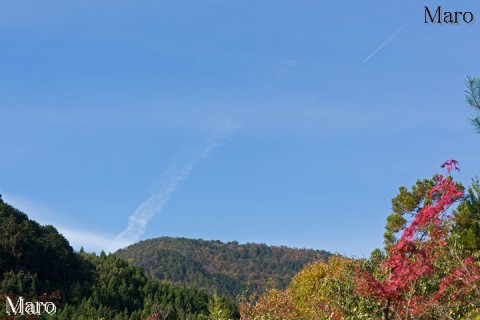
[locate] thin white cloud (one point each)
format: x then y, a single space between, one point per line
138 221
387 41
35 210
270 73
283 67
45 215
88 240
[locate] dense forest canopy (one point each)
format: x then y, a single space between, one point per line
227 268
37 263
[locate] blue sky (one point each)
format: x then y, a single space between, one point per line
283 122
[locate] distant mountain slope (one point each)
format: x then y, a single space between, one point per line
38 264
227 268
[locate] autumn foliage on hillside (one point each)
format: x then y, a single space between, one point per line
213 266
425 274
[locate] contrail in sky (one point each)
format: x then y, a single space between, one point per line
138 221
387 41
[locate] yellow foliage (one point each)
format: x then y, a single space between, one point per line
322 290
273 305
319 291
473 315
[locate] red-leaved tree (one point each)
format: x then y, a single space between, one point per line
412 260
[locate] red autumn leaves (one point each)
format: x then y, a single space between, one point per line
417 255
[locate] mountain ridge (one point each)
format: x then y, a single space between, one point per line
37 263
228 268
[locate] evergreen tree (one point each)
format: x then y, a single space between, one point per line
405 205
467 219
473 99
37 263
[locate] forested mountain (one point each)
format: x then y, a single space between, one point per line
214 266
38 264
